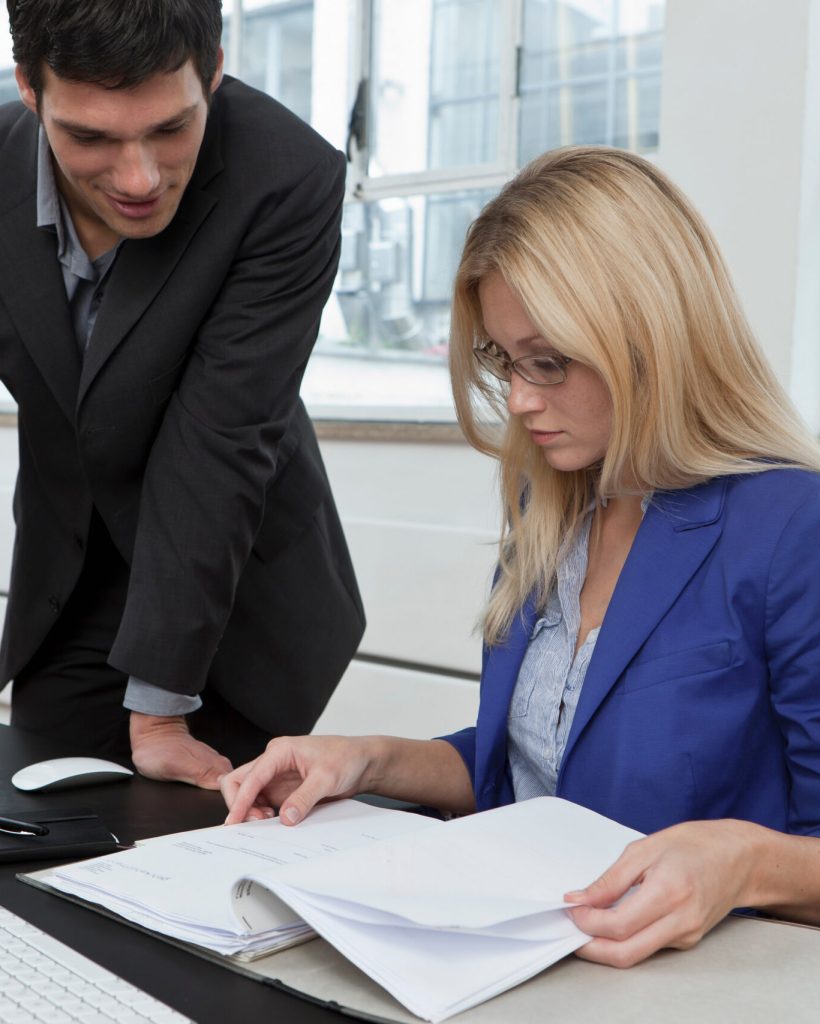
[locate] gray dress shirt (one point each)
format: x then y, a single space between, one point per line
85 282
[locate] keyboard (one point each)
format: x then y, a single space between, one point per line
42 979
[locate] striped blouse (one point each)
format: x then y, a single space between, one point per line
550 679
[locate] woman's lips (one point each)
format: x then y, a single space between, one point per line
545 436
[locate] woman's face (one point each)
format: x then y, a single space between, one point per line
571 422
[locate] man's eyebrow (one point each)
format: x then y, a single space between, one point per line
85 129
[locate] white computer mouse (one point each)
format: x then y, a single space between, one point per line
65 772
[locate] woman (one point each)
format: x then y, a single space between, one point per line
652 641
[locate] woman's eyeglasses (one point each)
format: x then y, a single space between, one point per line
538 369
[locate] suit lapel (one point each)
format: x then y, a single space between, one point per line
32 285
140 271
142 267
679 530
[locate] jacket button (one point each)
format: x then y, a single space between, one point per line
54 604
79 541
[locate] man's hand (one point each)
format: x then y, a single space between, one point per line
163 749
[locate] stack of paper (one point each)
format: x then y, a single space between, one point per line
193 885
443 915
447 918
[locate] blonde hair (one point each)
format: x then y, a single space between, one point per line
611 263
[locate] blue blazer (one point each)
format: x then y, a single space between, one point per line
702 698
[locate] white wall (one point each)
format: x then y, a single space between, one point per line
421 522
740 133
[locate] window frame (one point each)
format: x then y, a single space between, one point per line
362 186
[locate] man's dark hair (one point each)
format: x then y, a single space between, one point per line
115 43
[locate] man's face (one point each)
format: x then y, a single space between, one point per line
122 157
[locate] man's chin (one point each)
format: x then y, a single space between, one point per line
143 227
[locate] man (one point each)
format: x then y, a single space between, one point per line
167 242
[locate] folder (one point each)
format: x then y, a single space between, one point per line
442 915
74 832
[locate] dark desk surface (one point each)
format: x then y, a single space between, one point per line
138 809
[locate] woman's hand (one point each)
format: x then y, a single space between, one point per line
294 774
688 878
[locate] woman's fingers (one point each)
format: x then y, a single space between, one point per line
294 774
628 952
317 785
617 880
244 788
662 911
683 880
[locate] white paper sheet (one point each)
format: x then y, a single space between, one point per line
190 886
486 868
447 918
443 915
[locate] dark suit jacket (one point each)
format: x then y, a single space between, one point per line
182 424
702 698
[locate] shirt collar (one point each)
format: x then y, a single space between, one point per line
53 215
49 214
603 502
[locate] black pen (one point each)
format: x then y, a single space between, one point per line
22 828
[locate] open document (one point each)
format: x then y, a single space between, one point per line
442 914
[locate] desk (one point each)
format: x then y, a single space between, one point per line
134 810
747 971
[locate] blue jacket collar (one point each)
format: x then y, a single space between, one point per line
679 530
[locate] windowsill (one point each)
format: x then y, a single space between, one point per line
388 431
373 389
364 398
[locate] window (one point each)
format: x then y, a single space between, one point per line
590 72
8 86
450 98
270 44
434 88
